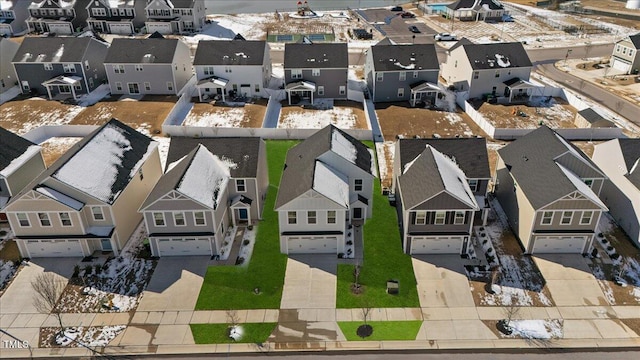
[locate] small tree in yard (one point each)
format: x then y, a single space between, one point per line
365 330
48 289
511 312
356 288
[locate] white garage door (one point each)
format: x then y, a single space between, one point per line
559 244
436 245
313 245
620 65
161 28
54 248
124 29
185 246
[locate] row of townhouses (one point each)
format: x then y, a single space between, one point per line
95 195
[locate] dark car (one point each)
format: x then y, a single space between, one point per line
396 8
407 14
414 29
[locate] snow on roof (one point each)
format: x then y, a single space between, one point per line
60 197
343 147
331 183
572 150
5 5
205 179
408 67
58 54
17 162
503 61
408 165
583 188
453 178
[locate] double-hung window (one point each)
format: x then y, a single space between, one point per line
421 217
198 218
331 217
44 219
459 218
311 217
586 217
65 219
440 217
296 73
547 218
567 216
158 219
291 217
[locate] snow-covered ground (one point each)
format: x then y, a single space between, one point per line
7 270
88 336
342 117
247 250
229 117
536 329
383 150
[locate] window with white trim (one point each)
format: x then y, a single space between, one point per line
65 219
44 219
547 218
208 70
118 86
440 217
342 90
240 185
415 74
476 74
292 217
98 12
421 218
473 185
296 73
400 92
97 213
567 216
331 217
357 185
69 68
199 219
586 217
459 218
158 219
403 75
315 72
48 66
169 86
311 217
139 67
118 69
23 220
147 86
178 219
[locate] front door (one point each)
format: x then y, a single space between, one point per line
357 213
106 245
243 214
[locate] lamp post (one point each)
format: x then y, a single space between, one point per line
566 57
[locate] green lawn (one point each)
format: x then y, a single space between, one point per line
382 330
218 333
231 287
383 260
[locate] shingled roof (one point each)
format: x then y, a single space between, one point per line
405 57
630 149
235 52
495 56
139 51
52 49
323 56
14 147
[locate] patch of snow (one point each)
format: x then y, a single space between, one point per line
247 250
453 118
89 337
228 243
230 118
343 147
598 273
163 148
205 179
536 329
382 149
96 95
503 61
30 152
331 183
408 67
7 270
236 332
341 117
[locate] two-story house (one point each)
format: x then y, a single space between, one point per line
620 161
549 191
155 66
20 162
440 190
13 17
227 68
315 71
625 57
326 186
124 17
474 10
88 199
57 16
174 16
8 50
499 69
403 72
65 66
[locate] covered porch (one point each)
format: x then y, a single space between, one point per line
63 85
424 91
217 84
241 210
517 89
300 90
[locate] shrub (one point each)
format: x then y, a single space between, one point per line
609 248
98 268
239 260
340 255
87 270
246 242
76 271
3 233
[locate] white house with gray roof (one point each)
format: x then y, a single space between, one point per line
123 17
225 69
440 188
325 189
475 10
498 70
625 57
620 161
549 190
175 16
155 66
88 199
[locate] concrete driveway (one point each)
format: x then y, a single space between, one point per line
175 284
442 281
310 282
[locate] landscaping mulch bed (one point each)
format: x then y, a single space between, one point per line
92 337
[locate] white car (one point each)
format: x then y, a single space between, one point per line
445 37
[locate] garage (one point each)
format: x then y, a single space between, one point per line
184 246
559 244
123 29
436 245
54 248
621 65
312 245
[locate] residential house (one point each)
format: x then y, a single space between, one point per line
13 17
497 69
474 10
20 162
315 71
227 68
64 66
88 199
625 57
61 17
620 159
8 50
155 66
175 16
549 191
440 188
124 17
326 187
589 118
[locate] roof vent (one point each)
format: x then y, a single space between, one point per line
525 158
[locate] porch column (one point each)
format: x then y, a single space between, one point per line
233 216
73 92
223 97
199 95
311 96
485 214
289 95
48 91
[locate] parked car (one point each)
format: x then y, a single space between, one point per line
396 8
407 14
507 18
445 37
414 29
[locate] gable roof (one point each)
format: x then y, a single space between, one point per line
470 154
176 4
476 5
536 162
242 152
332 55
461 42
431 173
630 149
635 40
138 51
298 174
52 49
234 52
495 56
405 57
15 150
595 118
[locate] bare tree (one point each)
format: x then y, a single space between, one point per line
511 311
365 308
48 288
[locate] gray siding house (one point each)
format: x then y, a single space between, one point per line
116 17
8 50
402 72
20 162
155 66
440 188
474 10
315 71
325 189
62 17
619 159
13 17
60 66
88 199
549 190
625 57
174 16
232 68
